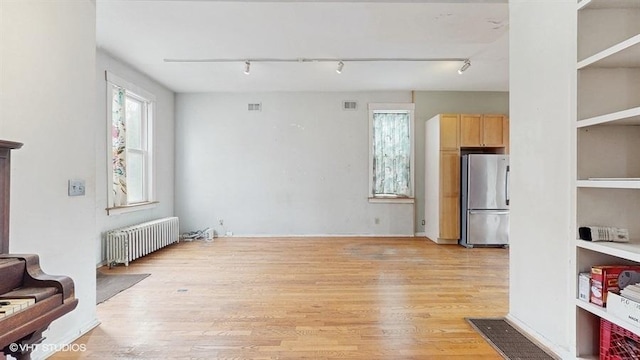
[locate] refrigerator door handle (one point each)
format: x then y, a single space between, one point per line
493 212
506 185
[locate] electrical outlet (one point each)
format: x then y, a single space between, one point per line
221 222
423 223
376 220
76 188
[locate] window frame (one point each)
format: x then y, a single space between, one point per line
148 116
393 107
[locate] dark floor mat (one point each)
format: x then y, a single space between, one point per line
109 285
508 341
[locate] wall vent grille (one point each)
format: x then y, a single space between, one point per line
349 105
255 107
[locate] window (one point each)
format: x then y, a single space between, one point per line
391 159
130 120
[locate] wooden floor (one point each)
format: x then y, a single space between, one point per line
303 298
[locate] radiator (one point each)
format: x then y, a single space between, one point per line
129 243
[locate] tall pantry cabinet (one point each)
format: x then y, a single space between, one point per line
607 148
447 137
442 179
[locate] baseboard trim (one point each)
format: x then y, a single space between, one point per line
416 235
443 241
66 340
316 235
538 338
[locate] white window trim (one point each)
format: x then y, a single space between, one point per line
378 107
114 79
131 208
142 94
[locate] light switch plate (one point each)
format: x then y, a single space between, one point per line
76 187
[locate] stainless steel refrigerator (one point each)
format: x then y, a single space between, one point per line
485 200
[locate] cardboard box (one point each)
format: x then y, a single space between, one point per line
584 286
604 278
623 308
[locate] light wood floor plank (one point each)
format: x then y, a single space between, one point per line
303 298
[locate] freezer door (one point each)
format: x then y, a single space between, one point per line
487 181
488 227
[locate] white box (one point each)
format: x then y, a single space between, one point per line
584 284
623 308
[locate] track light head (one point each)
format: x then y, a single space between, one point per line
247 67
339 68
465 66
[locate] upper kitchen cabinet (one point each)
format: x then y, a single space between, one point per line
449 132
484 131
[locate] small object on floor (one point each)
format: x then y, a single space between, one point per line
508 341
206 234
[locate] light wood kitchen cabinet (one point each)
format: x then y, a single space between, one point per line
442 179
449 177
449 132
449 195
447 135
484 130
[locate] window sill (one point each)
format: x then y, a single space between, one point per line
116 210
392 200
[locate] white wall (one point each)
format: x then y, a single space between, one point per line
164 126
47 69
542 64
298 167
432 103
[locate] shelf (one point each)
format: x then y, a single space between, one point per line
624 117
631 183
628 251
602 312
608 4
623 54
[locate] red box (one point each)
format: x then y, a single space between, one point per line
604 278
617 343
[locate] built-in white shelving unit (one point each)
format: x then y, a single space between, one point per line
607 147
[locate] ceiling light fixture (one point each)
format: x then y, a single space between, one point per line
247 64
465 66
305 60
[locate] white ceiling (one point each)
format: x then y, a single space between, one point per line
145 33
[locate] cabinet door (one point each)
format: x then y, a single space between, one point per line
450 195
505 134
470 130
493 131
449 132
